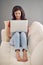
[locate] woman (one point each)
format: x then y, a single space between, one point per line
18 14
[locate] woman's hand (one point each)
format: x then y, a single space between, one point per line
9 36
27 28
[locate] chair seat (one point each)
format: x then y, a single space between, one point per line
8 55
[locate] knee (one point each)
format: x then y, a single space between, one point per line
23 34
17 34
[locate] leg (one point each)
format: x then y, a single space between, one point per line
17 46
15 40
24 45
23 40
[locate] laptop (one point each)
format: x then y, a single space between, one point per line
18 25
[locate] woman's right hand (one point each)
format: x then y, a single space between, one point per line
10 36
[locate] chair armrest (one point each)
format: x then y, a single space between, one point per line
4 37
35 35
37 55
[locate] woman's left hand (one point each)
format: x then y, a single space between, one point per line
27 28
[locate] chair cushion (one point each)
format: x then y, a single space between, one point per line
37 55
36 35
7 55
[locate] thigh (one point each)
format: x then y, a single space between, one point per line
15 38
12 39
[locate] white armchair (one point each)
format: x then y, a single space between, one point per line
35 47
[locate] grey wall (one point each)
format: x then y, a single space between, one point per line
33 10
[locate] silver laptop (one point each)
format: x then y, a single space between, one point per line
18 25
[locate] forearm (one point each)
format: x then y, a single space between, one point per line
9 33
7 28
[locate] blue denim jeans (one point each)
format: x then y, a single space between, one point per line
19 39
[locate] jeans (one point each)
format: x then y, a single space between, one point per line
19 39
